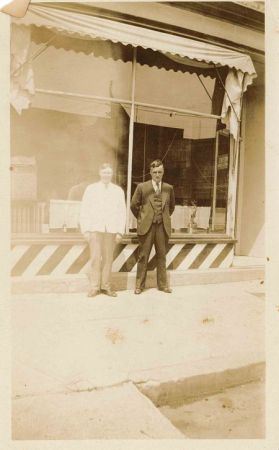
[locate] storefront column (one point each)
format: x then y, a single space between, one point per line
235 145
232 193
215 182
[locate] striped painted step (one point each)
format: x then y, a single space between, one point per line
68 259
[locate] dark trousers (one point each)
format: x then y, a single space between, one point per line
156 235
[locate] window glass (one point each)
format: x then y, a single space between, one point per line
187 146
59 143
55 155
75 72
222 182
176 89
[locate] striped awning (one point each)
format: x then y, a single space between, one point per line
241 70
89 26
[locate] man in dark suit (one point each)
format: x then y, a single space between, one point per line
152 204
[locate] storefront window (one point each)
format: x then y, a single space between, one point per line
80 117
53 164
71 128
222 182
187 146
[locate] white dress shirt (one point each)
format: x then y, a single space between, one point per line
103 209
156 187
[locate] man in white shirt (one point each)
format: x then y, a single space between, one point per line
102 222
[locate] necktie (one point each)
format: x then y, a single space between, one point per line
157 188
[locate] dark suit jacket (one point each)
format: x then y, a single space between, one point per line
142 206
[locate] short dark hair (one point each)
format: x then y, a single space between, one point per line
156 163
105 166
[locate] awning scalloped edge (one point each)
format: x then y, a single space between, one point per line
51 18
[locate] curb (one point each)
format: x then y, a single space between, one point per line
190 389
123 281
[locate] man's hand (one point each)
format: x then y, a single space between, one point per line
87 235
118 238
136 201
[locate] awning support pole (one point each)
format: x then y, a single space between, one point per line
85 96
167 109
144 152
131 140
203 85
35 55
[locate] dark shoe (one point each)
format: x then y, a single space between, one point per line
92 293
109 292
138 291
167 290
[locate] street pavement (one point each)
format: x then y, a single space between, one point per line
235 413
68 346
119 412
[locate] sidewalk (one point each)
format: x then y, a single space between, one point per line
197 340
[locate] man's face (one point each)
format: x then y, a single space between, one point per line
106 175
157 173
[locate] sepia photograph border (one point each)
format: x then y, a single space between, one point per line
271 442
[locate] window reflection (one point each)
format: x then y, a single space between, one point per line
80 117
187 146
65 151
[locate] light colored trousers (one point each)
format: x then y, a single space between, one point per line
101 258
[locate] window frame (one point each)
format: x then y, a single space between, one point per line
233 157
230 214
